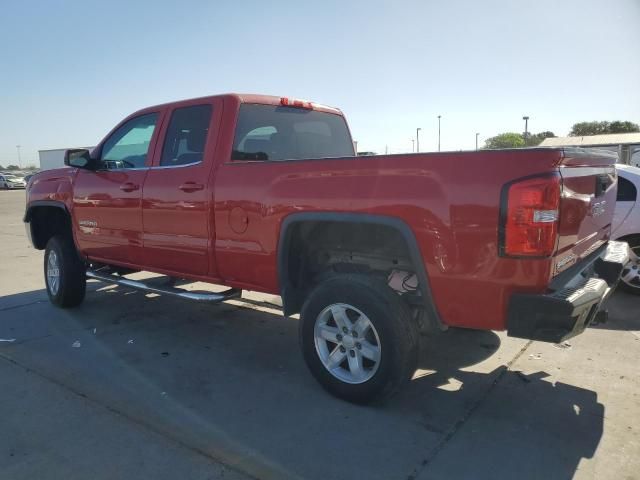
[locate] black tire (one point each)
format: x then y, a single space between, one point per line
390 316
634 245
72 281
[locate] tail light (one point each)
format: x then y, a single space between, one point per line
529 217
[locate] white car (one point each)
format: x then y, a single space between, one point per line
9 181
626 224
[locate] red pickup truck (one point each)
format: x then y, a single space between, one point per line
266 193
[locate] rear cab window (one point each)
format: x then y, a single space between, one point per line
271 132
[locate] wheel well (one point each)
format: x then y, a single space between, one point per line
314 249
47 221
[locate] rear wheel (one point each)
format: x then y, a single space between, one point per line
64 272
358 338
630 278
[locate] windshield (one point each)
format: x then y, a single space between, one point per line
269 132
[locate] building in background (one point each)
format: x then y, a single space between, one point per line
53 158
627 145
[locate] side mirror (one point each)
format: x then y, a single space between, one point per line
79 158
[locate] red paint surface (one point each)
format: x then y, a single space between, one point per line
228 232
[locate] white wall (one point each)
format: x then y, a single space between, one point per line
51 158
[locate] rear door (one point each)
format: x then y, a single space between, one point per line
107 207
178 224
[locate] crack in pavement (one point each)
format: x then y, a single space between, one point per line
13 307
242 463
457 426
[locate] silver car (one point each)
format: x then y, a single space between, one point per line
10 181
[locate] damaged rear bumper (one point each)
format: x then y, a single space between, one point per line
570 307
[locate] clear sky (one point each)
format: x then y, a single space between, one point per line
70 70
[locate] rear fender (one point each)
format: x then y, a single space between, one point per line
292 297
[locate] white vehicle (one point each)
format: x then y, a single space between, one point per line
626 224
9 181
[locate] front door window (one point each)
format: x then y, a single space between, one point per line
128 146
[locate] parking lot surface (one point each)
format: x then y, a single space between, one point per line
130 385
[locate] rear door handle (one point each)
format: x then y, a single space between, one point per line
191 187
129 187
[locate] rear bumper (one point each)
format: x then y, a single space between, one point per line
569 308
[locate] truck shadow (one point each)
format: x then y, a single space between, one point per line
624 312
497 423
235 370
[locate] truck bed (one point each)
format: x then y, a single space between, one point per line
451 201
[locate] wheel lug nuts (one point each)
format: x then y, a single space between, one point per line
342 349
339 337
354 334
358 346
345 329
352 353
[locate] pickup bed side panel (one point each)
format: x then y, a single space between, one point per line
449 200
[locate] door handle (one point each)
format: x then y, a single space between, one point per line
129 187
191 187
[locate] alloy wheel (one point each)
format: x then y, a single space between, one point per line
347 343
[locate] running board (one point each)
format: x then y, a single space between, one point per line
213 297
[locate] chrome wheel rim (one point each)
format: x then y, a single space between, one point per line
631 271
347 343
53 272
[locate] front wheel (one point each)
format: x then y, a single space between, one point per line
630 278
358 338
64 272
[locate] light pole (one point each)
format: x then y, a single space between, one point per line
413 145
526 127
418 140
19 159
477 141
439 132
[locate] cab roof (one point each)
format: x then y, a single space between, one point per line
245 98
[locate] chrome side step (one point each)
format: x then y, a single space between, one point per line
213 297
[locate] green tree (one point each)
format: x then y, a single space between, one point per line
517 140
582 129
505 140
13 167
536 139
623 127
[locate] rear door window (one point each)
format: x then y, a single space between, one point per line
270 132
186 136
626 190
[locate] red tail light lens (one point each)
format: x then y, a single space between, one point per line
529 217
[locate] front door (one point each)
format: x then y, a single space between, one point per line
107 203
177 199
